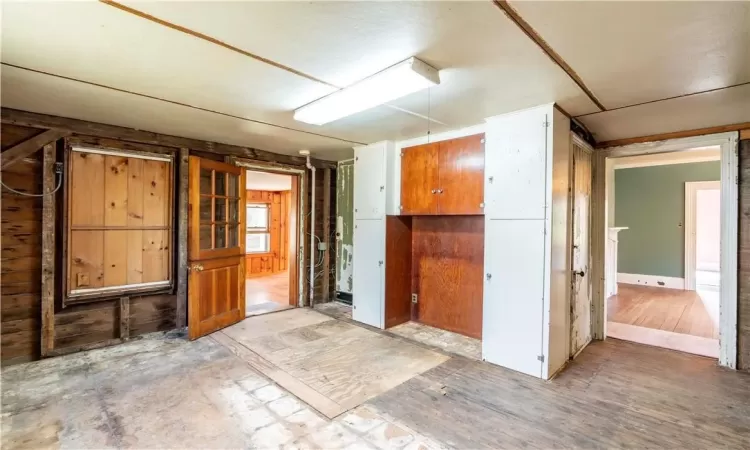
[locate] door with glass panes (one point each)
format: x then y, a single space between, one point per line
216 246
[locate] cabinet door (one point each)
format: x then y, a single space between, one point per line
516 165
369 251
513 315
369 182
419 179
461 176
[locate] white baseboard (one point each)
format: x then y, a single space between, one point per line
651 280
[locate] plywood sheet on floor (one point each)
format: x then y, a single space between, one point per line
616 394
442 339
343 364
688 343
337 310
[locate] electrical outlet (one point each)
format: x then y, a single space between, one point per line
414 298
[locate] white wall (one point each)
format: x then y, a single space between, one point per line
264 181
708 229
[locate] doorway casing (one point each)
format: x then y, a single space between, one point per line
729 213
691 192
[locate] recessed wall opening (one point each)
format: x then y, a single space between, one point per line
270 212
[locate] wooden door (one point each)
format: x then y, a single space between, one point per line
580 308
461 176
419 179
216 246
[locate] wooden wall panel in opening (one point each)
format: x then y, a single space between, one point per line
398 270
448 271
119 216
276 259
461 173
743 278
419 179
20 266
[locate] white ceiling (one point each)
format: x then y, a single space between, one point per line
264 181
176 83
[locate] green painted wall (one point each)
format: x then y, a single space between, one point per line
651 201
345 242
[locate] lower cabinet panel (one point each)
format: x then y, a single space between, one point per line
369 260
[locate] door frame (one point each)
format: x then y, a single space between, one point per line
297 277
728 143
691 217
576 140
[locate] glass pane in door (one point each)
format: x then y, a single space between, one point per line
221 187
220 236
205 182
205 236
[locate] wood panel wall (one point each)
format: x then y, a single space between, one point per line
448 272
277 258
743 279
20 261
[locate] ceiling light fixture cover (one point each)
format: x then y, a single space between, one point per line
394 82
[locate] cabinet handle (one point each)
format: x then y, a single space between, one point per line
380 263
439 191
434 191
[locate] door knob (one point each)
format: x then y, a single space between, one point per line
196 267
580 273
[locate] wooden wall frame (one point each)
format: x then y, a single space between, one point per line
95 145
298 205
728 143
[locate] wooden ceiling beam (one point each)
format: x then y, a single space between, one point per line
101 130
674 135
29 146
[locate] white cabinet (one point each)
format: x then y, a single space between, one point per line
512 330
516 162
369 181
369 268
526 321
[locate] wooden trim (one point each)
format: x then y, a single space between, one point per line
326 238
181 266
29 146
48 250
294 227
94 129
77 140
84 347
745 134
691 204
674 135
541 43
124 318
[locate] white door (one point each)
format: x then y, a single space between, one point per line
369 182
512 322
516 165
369 256
580 305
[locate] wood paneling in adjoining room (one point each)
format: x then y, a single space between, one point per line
461 173
398 246
20 277
448 271
277 258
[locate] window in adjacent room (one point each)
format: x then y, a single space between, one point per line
119 224
258 233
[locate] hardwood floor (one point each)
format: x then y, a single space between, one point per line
267 293
664 309
616 394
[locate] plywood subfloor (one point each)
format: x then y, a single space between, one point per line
332 365
616 394
671 310
335 309
445 340
266 294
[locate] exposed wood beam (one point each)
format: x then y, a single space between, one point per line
674 135
549 51
48 249
745 134
326 234
182 238
85 128
29 146
125 318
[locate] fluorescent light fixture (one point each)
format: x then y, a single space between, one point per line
394 82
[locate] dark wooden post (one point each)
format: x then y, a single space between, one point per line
182 238
48 249
326 234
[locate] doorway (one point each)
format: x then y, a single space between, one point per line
652 287
270 211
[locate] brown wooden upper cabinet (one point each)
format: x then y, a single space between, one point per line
443 178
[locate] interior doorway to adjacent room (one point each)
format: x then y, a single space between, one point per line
668 265
271 209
